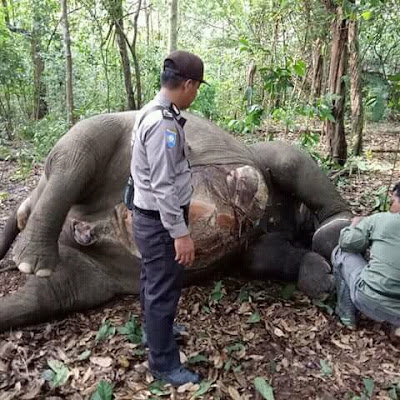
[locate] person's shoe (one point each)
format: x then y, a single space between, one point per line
178 376
178 329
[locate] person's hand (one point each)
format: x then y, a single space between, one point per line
356 220
184 249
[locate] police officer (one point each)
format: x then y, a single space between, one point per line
162 191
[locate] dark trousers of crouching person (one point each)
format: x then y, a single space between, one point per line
160 289
352 292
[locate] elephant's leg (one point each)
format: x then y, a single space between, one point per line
326 237
74 287
315 276
37 252
273 257
25 208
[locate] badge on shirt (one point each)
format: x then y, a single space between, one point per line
171 138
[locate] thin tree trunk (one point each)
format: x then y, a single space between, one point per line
68 63
250 82
147 6
40 107
334 131
357 111
116 14
133 52
173 26
317 71
126 66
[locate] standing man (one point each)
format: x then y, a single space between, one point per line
371 287
162 191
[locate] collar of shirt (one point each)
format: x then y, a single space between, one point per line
164 101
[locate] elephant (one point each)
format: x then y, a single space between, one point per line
265 209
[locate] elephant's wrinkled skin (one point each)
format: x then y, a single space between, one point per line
77 235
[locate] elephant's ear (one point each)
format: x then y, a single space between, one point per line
82 233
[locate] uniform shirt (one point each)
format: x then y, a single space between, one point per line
159 168
382 275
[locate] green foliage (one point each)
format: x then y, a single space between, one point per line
250 122
106 330
203 389
58 373
264 388
217 293
132 330
325 368
205 102
254 318
158 388
381 199
197 359
104 391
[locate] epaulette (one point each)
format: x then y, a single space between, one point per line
167 114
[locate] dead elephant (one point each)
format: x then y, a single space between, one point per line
255 201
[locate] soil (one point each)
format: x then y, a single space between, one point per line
245 330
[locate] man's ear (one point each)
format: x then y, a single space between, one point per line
187 84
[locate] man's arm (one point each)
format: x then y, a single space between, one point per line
355 238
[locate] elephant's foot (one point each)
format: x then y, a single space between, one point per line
326 237
33 257
315 276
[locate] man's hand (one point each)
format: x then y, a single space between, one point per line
184 249
356 220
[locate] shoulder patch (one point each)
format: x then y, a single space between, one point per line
171 138
167 114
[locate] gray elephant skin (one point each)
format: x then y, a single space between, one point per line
259 209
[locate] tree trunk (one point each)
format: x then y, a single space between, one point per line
173 26
40 107
68 63
317 72
334 131
134 56
147 5
357 111
116 13
250 82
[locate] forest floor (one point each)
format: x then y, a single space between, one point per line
237 332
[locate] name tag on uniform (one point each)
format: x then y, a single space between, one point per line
171 138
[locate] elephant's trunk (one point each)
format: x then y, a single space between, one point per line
297 174
33 303
10 232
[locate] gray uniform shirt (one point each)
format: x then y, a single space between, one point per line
159 167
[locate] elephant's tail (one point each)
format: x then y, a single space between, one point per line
10 232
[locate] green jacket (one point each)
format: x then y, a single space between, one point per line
380 279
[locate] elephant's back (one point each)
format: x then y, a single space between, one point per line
208 144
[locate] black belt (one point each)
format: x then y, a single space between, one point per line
156 214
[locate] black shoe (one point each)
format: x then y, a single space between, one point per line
178 376
178 329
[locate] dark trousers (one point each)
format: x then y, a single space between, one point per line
161 283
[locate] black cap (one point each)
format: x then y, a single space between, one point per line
185 64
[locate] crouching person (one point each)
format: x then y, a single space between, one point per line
370 287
